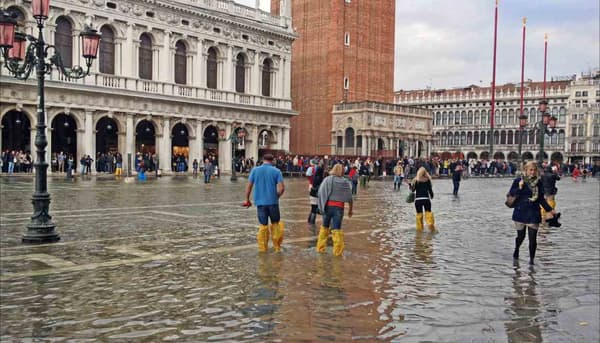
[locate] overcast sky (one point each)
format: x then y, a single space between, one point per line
449 43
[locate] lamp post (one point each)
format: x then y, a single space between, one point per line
20 62
548 121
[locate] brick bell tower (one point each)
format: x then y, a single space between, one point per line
344 53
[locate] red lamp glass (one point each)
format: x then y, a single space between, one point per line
90 40
522 120
17 52
7 30
40 8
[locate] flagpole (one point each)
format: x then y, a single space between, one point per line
521 117
492 115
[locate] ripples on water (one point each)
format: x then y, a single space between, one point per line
393 284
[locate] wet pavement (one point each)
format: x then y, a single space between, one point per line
173 259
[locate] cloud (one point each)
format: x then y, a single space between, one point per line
447 44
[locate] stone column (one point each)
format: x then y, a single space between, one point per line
200 70
130 58
225 150
200 140
228 71
286 138
165 146
80 149
287 85
89 135
164 62
256 76
252 147
129 143
119 55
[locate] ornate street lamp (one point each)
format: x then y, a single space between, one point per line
20 62
522 124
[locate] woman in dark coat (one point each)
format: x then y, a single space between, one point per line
526 213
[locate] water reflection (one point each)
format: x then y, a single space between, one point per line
423 248
524 308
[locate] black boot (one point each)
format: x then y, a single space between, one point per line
532 243
518 241
312 217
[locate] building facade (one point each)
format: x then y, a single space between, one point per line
461 120
343 60
583 120
172 77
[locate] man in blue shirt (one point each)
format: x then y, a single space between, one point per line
267 182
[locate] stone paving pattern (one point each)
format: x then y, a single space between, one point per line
172 259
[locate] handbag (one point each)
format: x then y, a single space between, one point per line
511 200
410 197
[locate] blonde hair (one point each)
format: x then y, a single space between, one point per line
531 164
337 170
423 175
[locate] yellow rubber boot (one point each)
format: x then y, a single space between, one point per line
262 238
338 242
322 240
277 235
420 221
429 220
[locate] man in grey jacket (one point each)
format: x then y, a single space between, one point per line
334 192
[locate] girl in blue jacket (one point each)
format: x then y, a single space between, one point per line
526 214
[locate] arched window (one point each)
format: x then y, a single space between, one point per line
509 139
107 50
476 119
463 138
444 118
63 40
469 138
240 74
145 57
349 135
211 69
463 118
266 77
503 137
444 139
438 119
476 138
504 118
470 120
180 63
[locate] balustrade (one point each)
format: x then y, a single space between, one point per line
169 89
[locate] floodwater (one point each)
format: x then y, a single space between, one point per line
174 260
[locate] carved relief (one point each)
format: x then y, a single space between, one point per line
125 7
99 3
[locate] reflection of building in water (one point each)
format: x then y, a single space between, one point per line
524 309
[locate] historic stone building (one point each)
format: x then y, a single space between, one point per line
172 77
342 81
583 121
461 119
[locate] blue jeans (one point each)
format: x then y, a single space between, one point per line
206 178
264 212
332 218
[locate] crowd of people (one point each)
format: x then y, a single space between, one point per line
366 167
